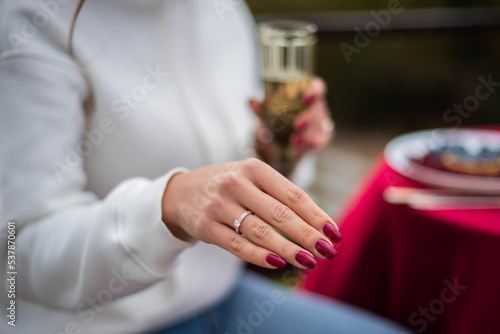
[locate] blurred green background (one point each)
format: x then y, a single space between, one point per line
404 79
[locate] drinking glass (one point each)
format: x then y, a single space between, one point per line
287 49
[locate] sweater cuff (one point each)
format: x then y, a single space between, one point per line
142 232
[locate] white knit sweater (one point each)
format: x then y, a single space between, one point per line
170 81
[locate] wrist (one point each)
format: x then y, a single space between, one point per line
170 214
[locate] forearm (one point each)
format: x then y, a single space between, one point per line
119 243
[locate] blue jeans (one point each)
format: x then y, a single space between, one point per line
258 306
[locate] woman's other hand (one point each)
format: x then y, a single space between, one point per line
313 127
204 203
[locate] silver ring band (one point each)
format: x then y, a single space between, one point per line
237 222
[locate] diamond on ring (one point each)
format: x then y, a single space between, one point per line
237 222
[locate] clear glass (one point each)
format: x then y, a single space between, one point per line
287 61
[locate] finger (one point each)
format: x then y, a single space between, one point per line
315 113
225 237
311 136
316 137
256 108
298 142
263 235
284 191
317 140
304 120
315 90
286 220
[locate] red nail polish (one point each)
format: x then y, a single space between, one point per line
331 232
297 141
306 260
325 249
302 125
309 99
276 261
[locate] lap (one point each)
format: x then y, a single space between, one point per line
258 306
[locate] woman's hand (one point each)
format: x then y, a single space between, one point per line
204 203
313 127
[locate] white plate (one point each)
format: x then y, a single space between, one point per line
401 149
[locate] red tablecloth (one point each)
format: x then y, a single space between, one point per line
432 271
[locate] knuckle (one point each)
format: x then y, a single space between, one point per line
252 163
280 213
228 180
318 215
253 254
210 187
308 234
286 249
235 168
237 244
262 232
295 194
216 201
233 165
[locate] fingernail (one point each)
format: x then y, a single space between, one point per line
306 260
325 249
276 261
302 125
309 99
332 232
297 141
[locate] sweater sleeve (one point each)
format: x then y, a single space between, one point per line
69 244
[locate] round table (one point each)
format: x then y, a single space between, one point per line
432 271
